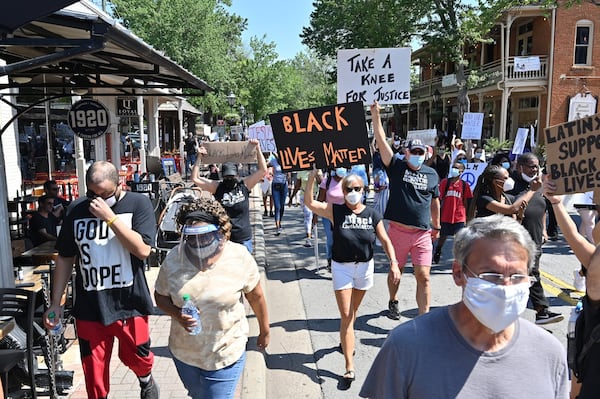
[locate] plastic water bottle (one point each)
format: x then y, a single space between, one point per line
57 329
191 309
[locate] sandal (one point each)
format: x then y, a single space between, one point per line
349 376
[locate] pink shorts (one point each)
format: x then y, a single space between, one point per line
415 242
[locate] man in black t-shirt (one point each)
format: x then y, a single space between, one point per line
528 167
109 233
413 211
42 225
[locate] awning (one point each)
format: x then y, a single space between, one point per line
81 47
186 106
17 13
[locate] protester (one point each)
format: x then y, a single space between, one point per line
279 190
355 227
233 193
109 234
300 186
587 214
330 191
502 158
267 194
478 347
414 213
43 222
585 365
455 194
528 173
191 149
210 363
440 161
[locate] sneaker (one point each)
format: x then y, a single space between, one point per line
149 389
266 213
436 257
393 312
308 243
271 214
547 317
578 280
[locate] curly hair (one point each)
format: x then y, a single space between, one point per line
210 207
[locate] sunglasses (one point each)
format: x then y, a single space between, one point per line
350 189
417 152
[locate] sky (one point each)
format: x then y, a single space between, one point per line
280 20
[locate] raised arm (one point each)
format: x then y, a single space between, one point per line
320 208
384 148
203 182
257 176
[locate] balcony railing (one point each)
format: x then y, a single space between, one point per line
486 75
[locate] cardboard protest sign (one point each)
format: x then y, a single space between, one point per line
264 134
367 75
472 125
229 151
335 135
427 136
572 151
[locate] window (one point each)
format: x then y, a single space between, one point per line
525 39
583 43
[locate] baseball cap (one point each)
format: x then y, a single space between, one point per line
416 143
458 142
229 169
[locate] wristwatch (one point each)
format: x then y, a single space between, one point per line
436 228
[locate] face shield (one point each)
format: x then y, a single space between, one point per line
200 244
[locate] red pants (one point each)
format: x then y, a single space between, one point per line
96 344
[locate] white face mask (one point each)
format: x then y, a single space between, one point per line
527 178
353 197
495 306
509 184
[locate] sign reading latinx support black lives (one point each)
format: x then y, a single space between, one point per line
335 135
573 150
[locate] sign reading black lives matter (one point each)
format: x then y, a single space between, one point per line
88 119
335 135
573 155
381 74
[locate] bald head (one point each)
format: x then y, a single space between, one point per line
102 171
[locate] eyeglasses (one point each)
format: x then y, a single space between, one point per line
350 189
498 278
92 195
461 159
417 152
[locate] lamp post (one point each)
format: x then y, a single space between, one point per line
243 116
437 96
231 100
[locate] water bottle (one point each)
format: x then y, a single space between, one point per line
57 329
192 310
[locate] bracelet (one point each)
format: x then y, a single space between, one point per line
111 221
436 228
394 261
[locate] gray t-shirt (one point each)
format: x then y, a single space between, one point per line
427 358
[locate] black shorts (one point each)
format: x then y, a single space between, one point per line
449 229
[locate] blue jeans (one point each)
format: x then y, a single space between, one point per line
329 236
218 384
279 192
248 245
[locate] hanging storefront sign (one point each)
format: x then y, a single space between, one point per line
88 119
127 106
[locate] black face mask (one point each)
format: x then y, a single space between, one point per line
229 182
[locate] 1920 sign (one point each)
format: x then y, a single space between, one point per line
88 119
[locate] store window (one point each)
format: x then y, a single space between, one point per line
583 42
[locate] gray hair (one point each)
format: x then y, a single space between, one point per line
101 171
351 177
492 227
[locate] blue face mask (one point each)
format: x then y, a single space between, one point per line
416 160
454 173
463 161
341 172
506 165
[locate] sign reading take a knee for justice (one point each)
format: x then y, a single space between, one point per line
573 150
335 135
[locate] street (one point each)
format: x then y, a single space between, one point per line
303 359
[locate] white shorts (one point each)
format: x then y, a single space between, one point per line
352 275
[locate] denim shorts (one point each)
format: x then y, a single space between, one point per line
210 383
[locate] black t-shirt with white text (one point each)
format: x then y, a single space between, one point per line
237 205
411 192
354 234
110 281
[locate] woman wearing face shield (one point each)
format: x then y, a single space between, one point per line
355 227
490 195
214 272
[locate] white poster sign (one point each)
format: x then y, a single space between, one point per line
520 140
427 136
449 80
381 74
264 134
581 106
526 64
472 173
472 125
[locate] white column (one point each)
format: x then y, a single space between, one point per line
80 166
140 107
181 137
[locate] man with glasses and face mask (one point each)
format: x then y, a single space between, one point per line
534 221
478 347
413 211
109 233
